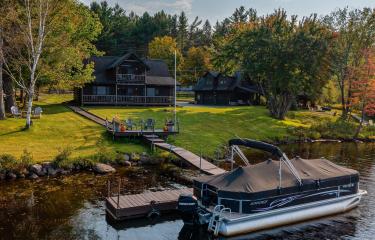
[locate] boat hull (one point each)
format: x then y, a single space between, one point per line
246 223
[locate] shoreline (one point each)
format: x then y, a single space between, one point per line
47 169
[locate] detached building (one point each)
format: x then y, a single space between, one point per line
214 88
128 80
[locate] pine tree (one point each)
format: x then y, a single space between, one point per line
182 34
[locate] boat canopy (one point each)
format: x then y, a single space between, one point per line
257 145
263 179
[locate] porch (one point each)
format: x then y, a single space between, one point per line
127 100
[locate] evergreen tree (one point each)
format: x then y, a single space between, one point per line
182 34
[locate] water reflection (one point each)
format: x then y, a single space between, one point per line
73 207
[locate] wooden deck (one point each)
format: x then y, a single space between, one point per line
140 205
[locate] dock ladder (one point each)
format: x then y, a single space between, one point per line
217 218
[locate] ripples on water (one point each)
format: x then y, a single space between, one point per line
73 208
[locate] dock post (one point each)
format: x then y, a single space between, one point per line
108 188
200 160
118 194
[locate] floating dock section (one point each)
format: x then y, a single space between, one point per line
124 207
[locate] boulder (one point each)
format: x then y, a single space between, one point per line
33 176
102 168
2 176
127 164
11 176
126 157
37 169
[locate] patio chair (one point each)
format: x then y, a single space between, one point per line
37 113
149 124
15 112
130 124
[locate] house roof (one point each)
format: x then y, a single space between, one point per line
120 60
157 70
224 83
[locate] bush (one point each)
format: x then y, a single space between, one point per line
7 162
26 159
338 129
84 162
62 157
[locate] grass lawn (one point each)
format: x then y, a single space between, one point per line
58 128
207 128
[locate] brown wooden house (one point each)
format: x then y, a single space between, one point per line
128 80
214 88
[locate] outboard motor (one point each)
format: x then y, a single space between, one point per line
188 208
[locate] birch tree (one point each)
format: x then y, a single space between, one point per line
2 105
28 34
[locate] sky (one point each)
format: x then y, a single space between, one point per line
214 10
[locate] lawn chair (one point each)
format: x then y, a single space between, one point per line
149 124
15 112
37 113
130 124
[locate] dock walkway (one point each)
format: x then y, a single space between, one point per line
189 157
140 205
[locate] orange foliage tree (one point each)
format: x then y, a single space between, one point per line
363 87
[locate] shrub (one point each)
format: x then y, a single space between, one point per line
338 129
7 162
26 159
62 157
84 162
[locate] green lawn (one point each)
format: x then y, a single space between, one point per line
207 128
58 128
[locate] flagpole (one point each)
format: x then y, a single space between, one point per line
175 86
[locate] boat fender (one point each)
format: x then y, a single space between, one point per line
279 190
154 212
317 182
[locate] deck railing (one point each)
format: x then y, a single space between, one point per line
130 78
127 100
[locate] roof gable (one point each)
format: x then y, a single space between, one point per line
124 58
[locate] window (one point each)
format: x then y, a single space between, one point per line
222 81
100 90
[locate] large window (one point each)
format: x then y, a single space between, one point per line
100 90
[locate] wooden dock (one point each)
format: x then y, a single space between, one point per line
124 207
185 155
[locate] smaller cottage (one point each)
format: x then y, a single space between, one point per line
215 88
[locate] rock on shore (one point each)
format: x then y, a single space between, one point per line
102 168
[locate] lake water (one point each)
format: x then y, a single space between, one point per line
73 207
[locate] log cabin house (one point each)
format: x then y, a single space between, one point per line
214 88
128 80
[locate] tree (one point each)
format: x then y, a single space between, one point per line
363 87
240 15
164 48
196 63
353 31
284 56
206 39
2 105
182 34
53 39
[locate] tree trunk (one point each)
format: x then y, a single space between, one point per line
359 128
279 105
9 93
30 99
2 106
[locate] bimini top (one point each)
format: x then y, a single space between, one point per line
264 177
